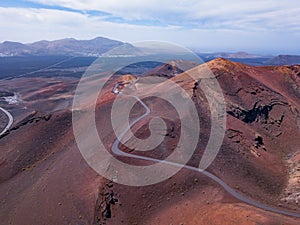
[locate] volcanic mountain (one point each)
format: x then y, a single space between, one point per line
67 47
45 180
171 69
284 60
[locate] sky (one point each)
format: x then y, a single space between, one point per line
255 26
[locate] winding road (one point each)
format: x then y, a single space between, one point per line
10 117
10 121
116 150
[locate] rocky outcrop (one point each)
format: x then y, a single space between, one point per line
33 118
103 208
291 193
6 94
258 113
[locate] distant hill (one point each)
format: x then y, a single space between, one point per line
253 59
9 48
171 68
125 50
68 46
284 60
236 55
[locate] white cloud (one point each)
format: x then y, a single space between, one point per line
246 14
252 32
28 24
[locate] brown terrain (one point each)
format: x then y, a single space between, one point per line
45 180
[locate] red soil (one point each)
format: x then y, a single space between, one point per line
45 180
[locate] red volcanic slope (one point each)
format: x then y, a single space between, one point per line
45 180
171 68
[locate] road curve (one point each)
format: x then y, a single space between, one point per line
116 150
10 121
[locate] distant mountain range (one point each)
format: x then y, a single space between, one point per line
68 47
284 60
238 55
253 59
101 46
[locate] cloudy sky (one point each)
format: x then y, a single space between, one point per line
256 26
